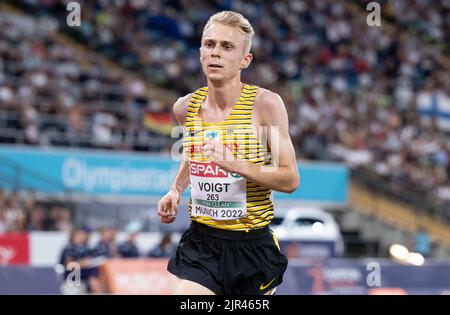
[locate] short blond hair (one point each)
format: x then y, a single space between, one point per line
233 19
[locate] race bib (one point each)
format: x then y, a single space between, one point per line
216 193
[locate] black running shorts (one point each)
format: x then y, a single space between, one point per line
229 262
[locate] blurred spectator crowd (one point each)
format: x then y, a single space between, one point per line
21 213
427 19
354 93
51 94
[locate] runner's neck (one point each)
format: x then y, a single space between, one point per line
224 96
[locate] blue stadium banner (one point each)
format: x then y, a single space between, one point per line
117 173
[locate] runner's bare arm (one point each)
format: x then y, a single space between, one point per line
180 111
282 175
168 204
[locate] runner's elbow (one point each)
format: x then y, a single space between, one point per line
291 185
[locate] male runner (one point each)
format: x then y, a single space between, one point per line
229 248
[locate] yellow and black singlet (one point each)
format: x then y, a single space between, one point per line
220 199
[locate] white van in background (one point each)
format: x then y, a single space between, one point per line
307 224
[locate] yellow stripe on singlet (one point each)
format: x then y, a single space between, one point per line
236 128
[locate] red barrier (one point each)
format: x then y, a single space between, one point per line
14 249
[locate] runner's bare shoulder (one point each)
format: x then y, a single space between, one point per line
267 104
180 108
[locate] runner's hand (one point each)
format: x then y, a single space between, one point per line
168 206
220 155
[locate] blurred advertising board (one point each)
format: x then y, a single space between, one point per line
370 276
137 276
29 280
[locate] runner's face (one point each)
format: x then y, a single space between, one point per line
222 52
